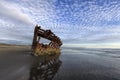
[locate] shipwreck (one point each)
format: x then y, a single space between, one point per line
38 48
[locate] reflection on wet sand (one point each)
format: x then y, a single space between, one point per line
45 67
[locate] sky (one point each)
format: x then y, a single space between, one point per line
83 23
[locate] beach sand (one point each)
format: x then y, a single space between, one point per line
16 63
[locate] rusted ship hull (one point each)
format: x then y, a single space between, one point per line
42 50
45 49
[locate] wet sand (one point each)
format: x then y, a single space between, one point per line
16 63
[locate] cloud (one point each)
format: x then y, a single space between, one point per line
17 21
75 21
89 13
12 12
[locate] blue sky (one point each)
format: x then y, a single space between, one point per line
93 23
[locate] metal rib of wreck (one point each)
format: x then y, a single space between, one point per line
40 48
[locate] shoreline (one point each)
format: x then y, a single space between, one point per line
8 47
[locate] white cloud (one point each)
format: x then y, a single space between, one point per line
12 11
79 22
